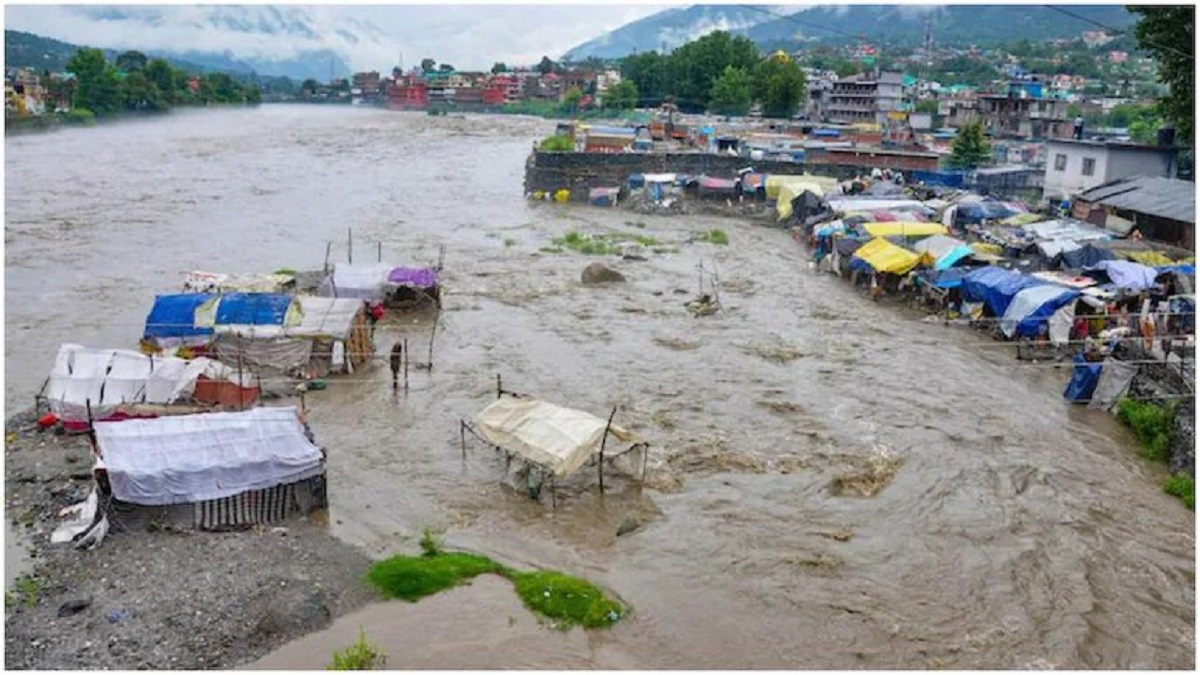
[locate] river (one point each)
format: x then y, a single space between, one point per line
1018 531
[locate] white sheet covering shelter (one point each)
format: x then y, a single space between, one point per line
325 317
112 377
361 282
191 458
560 440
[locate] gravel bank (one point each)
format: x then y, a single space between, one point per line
154 598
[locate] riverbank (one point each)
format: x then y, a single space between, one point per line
156 598
37 124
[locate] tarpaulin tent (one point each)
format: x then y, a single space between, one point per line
776 183
904 229
851 204
252 309
941 252
603 196
1152 258
174 316
1129 275
557 439
947 278
363 282
883 256
413 277
1083 380
1031 308
995 287
191 458
1085 256
107 378
805 205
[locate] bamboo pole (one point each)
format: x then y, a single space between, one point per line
328 249
350 245
406 360
432 334
462 437
241 401
603 441
499 390
379 251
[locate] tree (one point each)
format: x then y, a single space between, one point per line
693 67
970 149
928 106
731 93
499 67
545 65
621 96
648 71
131 61
428 64
139 93
308 87
572 97
97 87
1168 33
446 68
159 72
779 85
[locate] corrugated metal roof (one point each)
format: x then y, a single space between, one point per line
1162 197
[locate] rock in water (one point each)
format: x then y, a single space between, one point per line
74 606
629 525
597 273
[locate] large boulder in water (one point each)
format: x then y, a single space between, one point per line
598 273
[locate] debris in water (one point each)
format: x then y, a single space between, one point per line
777 352
677 343
705 305
870 477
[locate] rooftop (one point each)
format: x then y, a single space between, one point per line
1162 197
1117 145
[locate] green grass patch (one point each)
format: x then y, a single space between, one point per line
1152 424
28 588
566 600
285 271
600 244
361 655
1182 486
717 237
557 143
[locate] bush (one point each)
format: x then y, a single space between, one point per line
80 116
430 544
557 143
361 655
1182 486
1152 424
569 600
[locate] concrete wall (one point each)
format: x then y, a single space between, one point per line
1126 163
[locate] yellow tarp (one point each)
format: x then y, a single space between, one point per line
913 229
1151 258
988 249
776 183
885 256
788 192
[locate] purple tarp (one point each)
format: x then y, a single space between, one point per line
417 277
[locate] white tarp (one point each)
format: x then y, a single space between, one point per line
1060 324
110 377
325 317
852 205
191 458
558 439
1115 377
1026 302
362 282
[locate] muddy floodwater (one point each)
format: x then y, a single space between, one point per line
1017 531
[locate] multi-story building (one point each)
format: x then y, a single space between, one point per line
1073 166
1023 112
865 98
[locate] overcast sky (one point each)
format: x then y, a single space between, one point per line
467 36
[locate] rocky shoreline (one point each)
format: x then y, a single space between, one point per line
154 597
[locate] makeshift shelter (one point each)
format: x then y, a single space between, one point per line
775 184
1085 256
881 255
206 282
603 196
412 284
995 287
807 206
942 252
1127 275
339 334
171 322
231 469
104 382
361 282
551 439
903 229
709 187
1032 307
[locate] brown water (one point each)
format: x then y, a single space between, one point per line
1018 531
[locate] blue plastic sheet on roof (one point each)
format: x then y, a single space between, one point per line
827 133
995 287
253 309
636 180
1032 308
174 316
947 278
1083 381
1184 268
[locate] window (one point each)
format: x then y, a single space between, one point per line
1060 162
1089 166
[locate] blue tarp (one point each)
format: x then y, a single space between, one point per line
1032 307
253 309
827 133
995 286
636 180
948 278
174 316
1183 268
1083 381
950 179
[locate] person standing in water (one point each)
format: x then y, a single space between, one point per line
397 356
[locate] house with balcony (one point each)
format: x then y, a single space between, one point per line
865 98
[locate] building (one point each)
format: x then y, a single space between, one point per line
408 92
1162 209
865 98
511 86
1024 113
958 109
368 83
1073 166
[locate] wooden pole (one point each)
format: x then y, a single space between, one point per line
645 457
462 437
603 441
406 359
499 390
328 248
432 334
379 251
241 401
350 245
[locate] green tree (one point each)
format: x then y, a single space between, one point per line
131 61
97 87
545 65
621 96
693 67
731 93
139 93
159 72
446 68
1168 33
308 87
927 105
571 99
648 71
970 150
428 64
499 67
779 86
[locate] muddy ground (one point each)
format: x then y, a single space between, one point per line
155 598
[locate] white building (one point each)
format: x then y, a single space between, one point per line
1074 166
